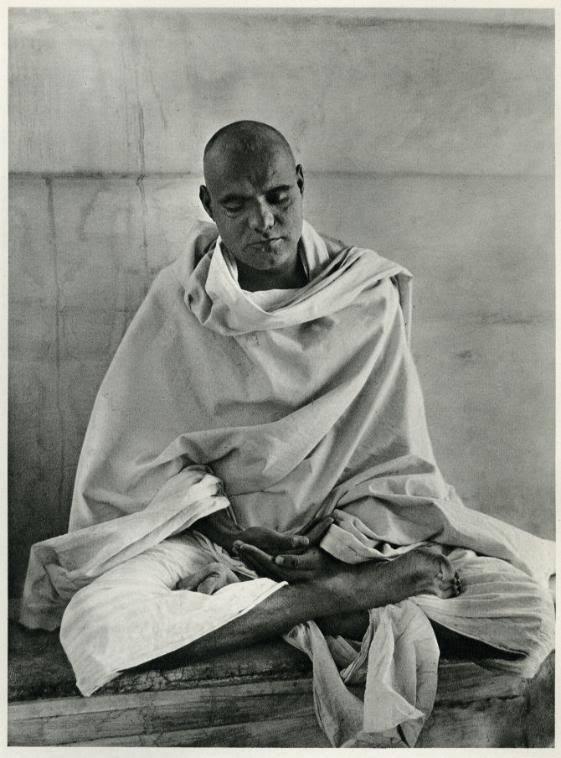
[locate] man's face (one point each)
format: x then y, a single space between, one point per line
256 203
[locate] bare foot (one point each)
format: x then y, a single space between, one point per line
432 573
372 584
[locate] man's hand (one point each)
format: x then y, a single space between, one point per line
307 565
208 580
221 528
275 543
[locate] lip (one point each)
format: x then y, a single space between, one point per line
264 242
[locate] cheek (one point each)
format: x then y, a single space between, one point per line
293 221
229 227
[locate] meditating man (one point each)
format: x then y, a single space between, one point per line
257 464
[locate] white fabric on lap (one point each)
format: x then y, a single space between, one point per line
132 613
398 659
501 606
397 663
61 566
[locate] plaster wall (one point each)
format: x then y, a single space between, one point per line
426 135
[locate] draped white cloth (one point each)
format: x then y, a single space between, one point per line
397 661
281 406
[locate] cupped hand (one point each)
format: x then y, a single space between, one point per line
290 567
276 543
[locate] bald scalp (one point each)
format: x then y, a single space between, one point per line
240 142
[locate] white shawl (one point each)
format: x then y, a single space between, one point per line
308 407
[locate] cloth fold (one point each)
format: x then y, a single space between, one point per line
397 665
282 409
61 566
133 612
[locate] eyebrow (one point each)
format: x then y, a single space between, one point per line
233 197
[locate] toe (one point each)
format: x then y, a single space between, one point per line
458 584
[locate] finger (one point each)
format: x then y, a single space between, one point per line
287 561
271 571
271 541
288 568
258 560
303 563
216 580
192 581
293 575
284 542
209 585
319 529
265 565
247 549
316 521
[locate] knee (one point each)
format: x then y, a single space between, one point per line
84 617
91 637
544 606
533 618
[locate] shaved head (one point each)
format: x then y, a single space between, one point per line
243 140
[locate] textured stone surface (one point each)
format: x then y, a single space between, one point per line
227 700
141 90
39 668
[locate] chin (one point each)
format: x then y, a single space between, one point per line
271 261
268 265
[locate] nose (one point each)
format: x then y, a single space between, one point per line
262 218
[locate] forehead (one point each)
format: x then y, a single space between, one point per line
249 173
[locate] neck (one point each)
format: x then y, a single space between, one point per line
254 280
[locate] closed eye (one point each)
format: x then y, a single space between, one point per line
278 197
233 207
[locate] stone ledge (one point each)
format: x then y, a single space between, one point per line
260 696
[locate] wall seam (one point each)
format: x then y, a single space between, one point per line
135 176
58 347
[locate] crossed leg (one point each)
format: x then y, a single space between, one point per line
512 613
334 599
132 615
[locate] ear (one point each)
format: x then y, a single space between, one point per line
300 178
204 197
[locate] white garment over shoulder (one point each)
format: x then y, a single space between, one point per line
282 408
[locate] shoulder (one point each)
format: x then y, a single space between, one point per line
386 279
365 257
334 246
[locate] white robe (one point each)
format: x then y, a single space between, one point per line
281 407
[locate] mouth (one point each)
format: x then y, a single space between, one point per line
270 241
